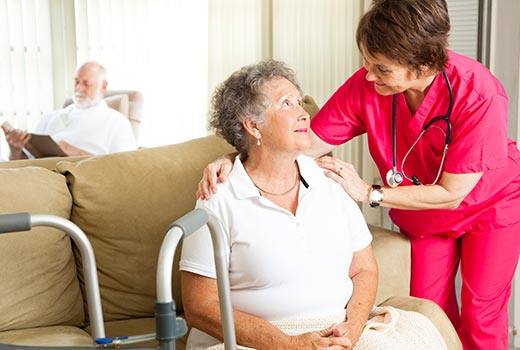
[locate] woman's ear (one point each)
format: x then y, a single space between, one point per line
251 128
425 71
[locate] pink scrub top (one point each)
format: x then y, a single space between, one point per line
479 144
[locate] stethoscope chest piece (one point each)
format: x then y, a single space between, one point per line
394 178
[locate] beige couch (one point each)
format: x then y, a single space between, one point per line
124 203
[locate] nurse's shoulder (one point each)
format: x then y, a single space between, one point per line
470 77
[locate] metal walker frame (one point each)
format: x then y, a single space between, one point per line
168 326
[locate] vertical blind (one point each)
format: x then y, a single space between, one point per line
464 15
158 47
316 38
25 63
235 37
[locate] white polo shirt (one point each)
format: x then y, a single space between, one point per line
97 130
283 265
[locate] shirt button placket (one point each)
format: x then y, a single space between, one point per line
300 235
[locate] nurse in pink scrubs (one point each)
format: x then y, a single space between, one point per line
436 124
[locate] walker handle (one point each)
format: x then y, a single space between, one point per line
191 222
15 222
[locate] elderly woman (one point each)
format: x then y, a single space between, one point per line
436 125
299 248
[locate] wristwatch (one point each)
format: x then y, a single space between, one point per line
375 196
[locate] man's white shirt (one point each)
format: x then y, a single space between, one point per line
282 265
96 130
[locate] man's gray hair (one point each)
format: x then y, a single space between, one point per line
242 96
100 71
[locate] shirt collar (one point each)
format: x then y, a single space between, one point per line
244 187
240 181
101 105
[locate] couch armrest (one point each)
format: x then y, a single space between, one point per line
433 312
392 252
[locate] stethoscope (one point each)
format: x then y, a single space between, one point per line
394 177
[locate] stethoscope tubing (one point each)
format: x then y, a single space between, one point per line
447 140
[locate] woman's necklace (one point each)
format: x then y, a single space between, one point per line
279 194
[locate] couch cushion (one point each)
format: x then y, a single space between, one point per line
38 285
124 202
392 252
47 336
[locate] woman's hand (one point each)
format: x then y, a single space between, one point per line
346 175
349 335
215 172
308 341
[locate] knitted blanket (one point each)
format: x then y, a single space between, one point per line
386 329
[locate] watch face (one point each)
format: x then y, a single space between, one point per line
376 196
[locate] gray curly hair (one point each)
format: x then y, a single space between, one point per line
241 96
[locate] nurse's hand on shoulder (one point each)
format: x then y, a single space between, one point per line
346 175
215 172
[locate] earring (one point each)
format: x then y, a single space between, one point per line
258 141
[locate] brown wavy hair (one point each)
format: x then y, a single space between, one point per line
412 32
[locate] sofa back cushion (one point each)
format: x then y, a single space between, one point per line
38 281
47 163
124 202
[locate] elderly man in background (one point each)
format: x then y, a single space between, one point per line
87 127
